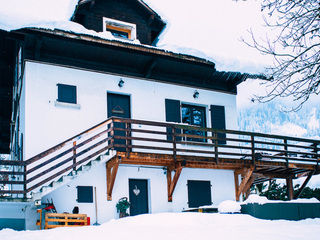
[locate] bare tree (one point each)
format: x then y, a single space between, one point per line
296 49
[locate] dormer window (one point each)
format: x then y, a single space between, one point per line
119 29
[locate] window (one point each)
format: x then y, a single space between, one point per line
67 93
199 193
85 194
120 29
194 115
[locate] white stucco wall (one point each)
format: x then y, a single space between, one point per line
46 124
64 198
25 211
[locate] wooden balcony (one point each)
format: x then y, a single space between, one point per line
257 157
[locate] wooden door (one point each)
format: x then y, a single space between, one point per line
119 106
138 196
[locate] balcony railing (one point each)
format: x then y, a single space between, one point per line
18 178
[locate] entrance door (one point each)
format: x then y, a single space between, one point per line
138 194
119 106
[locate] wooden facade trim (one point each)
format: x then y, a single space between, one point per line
172 182
112 169
290 188
172 155
245 183
297 195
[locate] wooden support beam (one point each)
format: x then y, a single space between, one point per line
297 195
172 182
289 188
246 176
150 68
112 169
150 20
247 187
236 184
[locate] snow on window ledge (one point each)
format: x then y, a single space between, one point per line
117 28
68 105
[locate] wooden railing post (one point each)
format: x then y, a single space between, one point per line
216 154
74 157
253 151
25 180
112 134
285 141
174 140
128 142
317 156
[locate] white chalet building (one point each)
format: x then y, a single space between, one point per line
89 121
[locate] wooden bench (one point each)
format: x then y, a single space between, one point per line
54 220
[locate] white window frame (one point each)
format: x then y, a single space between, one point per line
132 28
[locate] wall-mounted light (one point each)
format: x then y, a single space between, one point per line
195 94
121 82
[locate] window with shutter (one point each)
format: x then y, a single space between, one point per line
196 116
172 114
67 93
218 121
85 194
199 193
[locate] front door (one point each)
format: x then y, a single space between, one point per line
119 106
138 194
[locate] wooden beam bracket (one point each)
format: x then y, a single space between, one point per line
245 183
297 195
172 182
112 169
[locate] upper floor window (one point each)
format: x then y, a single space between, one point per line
119 29
67 93
194 115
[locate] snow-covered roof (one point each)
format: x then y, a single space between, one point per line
57 14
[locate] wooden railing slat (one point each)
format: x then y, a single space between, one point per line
306 151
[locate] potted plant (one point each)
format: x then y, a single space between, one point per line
122 206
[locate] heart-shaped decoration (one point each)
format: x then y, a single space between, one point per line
136 191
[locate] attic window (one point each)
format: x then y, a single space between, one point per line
119 29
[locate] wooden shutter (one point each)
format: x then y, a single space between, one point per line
85 194
67 93
199 193
173 113
218 121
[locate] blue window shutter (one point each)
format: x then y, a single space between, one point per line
173 114
218 121
67 93
199 193
85 194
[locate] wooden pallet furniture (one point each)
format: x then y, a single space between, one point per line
54 220
39 222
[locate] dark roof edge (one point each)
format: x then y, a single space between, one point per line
128 45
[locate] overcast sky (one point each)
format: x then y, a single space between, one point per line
211 29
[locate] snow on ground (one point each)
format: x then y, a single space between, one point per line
186 226
254 198
229 206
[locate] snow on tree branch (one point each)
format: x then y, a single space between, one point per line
295 48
